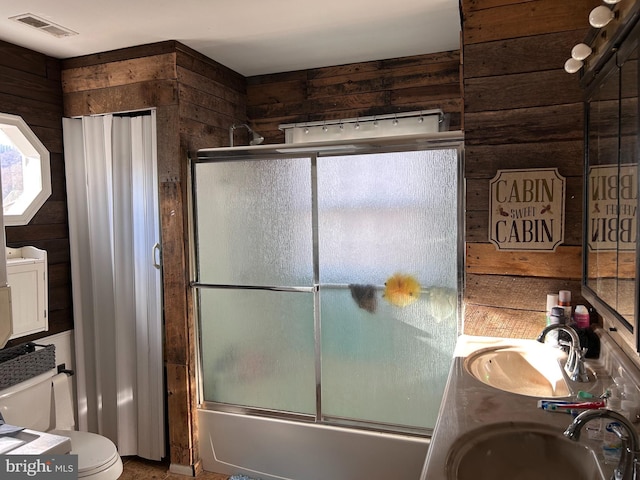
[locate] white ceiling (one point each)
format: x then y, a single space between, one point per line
252 37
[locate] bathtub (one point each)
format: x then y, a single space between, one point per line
270 449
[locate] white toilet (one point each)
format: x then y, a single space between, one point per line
44 404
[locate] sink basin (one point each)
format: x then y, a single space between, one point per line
520 451
531 369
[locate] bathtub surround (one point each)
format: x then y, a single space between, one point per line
274 449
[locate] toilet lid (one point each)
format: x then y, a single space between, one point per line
94 451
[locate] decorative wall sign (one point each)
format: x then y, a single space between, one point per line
527 209
612 203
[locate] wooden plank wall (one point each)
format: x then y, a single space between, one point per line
30 86
521 110
196 100
355 90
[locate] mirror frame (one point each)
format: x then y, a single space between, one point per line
613 321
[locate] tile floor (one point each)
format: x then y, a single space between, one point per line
136 468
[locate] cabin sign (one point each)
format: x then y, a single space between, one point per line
527 209
612 204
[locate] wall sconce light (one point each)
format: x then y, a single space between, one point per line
600 16
581 51
572 65
578 54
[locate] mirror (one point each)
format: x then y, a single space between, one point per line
611 186
628 189
601 189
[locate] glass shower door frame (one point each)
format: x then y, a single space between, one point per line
311 152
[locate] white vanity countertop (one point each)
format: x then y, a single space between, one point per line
36 443
468 404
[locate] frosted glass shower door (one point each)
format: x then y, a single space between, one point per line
254 248
380 215
293 253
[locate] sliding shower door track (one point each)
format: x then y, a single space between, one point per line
328 421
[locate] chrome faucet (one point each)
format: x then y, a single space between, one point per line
574 366
626 469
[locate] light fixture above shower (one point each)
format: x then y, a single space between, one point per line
393 124
256 138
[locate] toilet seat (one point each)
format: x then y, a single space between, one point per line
98 457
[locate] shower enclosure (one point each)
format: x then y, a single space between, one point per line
328 281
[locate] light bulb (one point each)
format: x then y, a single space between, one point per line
611 2
600 16
572 65
581 51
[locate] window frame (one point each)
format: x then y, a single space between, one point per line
38 201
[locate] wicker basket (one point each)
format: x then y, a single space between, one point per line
26 361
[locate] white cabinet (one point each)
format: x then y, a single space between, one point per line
27 277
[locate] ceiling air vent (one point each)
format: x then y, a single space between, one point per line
43 25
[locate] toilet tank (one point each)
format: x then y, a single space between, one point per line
30 403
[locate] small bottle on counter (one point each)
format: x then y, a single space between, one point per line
581 317
552 301
557 316
564 300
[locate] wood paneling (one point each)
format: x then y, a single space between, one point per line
137 96
503 322
484 258
525 125
181 439
516 292
120 73
491 20
355 90
485 160
534 54
30 87
521 90
521 111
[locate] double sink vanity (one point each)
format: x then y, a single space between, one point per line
490 425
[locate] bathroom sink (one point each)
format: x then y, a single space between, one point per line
527 369
520 451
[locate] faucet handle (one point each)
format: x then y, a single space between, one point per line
628 457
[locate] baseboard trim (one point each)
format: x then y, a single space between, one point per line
182 469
